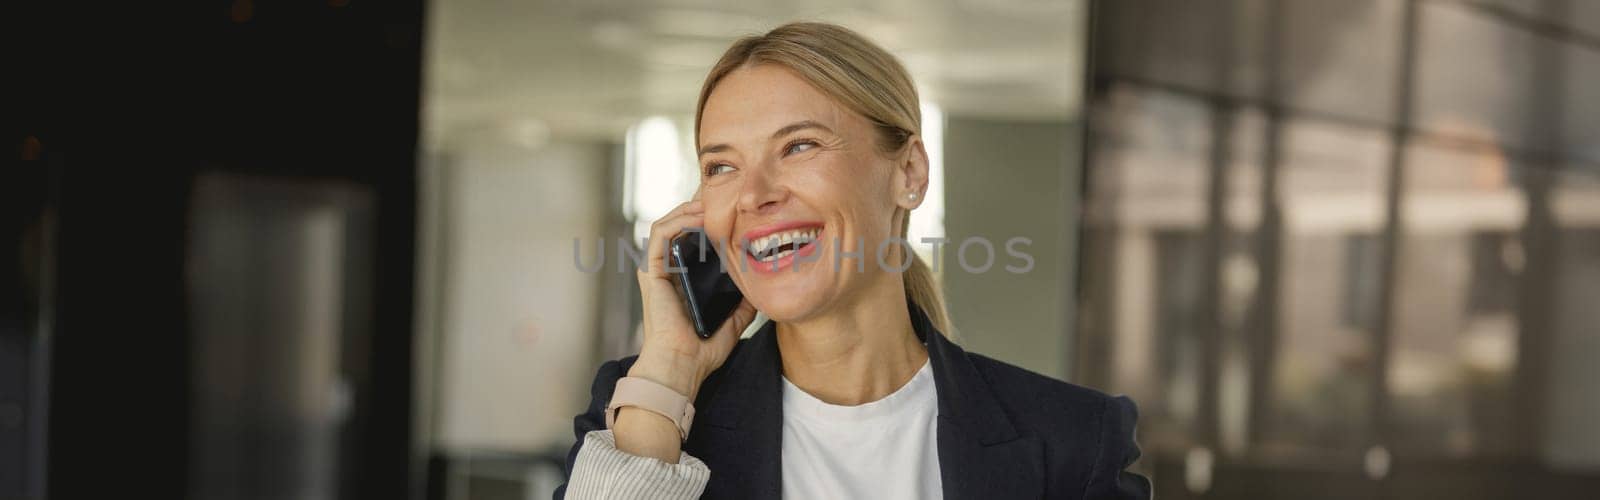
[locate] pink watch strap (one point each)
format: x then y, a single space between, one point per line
656 398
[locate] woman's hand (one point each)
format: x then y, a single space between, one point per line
672 354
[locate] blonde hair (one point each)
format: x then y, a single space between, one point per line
867 80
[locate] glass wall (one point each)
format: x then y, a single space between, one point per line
1348 249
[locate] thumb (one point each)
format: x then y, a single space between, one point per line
736 323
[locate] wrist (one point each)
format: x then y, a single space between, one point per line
676 373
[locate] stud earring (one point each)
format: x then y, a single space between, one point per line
911 196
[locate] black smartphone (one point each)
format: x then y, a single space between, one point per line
709 294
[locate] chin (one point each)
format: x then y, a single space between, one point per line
786 304
782 313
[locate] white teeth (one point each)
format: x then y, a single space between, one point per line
767 243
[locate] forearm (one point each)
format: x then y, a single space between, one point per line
645 433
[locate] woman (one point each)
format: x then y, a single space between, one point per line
808 136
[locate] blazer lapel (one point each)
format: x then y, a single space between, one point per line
738 427
981 454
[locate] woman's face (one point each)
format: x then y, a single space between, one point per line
780 161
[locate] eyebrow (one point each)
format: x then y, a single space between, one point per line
786 130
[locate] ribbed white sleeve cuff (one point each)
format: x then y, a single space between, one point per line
604 472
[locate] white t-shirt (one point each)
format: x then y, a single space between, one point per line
886 449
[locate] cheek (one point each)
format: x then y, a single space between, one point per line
720 208
832 190
858 188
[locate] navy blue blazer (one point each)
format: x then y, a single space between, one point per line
1003 432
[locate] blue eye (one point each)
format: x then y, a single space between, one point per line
718 169
795 147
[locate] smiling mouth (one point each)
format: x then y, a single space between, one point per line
781 244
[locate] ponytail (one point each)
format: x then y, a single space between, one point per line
923 288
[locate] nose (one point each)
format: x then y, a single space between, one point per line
761 193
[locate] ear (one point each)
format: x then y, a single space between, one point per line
911 175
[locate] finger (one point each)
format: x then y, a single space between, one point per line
689 207
735 324
661 234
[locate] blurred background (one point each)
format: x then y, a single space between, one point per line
335 250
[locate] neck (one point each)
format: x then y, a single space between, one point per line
861 352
